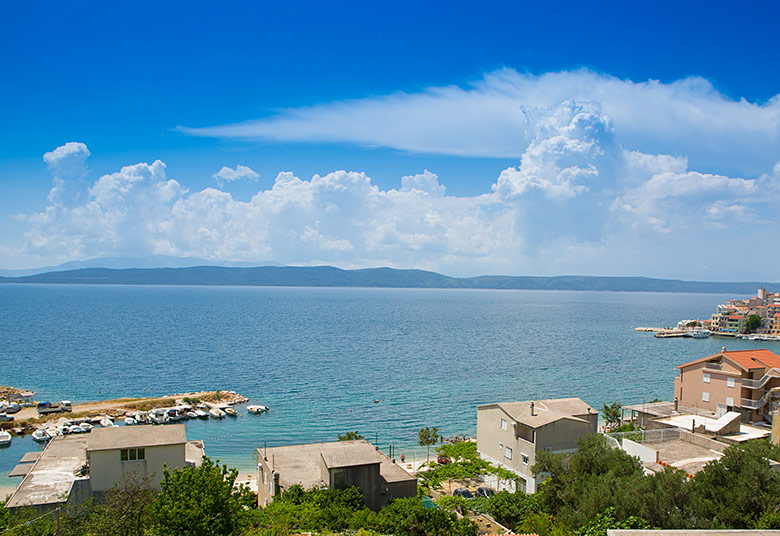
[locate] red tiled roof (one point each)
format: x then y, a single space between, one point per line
751 359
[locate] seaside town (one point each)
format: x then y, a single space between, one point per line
493 483
756 318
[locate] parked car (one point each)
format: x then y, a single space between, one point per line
443 460
6 418
485 491
13 407
42 405
463 492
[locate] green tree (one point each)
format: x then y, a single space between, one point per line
427 437
542 524
611 413
509 509
753 323
200 501
737 491
599 525
124 510
410 517
350 436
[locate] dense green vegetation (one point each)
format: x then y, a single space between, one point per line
586 492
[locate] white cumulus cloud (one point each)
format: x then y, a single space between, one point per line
241 173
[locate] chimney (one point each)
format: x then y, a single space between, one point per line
723 350
532 409
676 404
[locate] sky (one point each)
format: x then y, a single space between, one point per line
515 138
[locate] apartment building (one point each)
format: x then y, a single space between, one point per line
511 433
746 381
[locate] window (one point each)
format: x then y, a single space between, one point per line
132 455
525 459
706 378
729 382
729 401
705 397
503 424
508 453
500 446
339 479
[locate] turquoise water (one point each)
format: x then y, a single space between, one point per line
319 357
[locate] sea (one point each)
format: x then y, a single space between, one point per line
383 362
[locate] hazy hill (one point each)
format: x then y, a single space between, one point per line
328 276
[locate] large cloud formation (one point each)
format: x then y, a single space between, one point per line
500 115
579 201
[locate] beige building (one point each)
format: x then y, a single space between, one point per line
335 465
114 453
72 468
510 434
746 381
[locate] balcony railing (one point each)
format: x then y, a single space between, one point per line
749 403
758 384
714 366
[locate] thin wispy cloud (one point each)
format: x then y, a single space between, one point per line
499 116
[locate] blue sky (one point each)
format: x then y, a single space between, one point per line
623 139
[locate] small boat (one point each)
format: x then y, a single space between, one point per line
106 421
86 426
217 413
201 414
257 409
129 421
5 438
192 415
230 412
41 435
700 334
75 429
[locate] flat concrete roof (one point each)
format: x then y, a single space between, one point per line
683 455
300 464
53 474
666 409
31 457
348 453
746 431
194 452
124 437
21 469
545 411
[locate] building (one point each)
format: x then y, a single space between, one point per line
334 465
745 381
510 434
73 468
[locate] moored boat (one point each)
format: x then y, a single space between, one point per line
86 426
217 413
129 421
41 435
230 412
201 414
5 438
257 409
106 421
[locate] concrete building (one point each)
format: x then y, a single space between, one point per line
72 468
747 381
510 434
335 465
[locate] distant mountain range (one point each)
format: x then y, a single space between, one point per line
151 261
328 276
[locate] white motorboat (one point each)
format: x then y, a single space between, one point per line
107 422
5 438
257 409
230 412
129 421
217 413
76 429
41 435
201 414
86 426
700 334
192 415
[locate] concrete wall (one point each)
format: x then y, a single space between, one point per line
265 482
395 490
643 452
106 467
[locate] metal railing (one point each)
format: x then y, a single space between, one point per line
758 384
644 436
749 403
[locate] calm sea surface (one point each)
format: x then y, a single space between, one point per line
319 357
